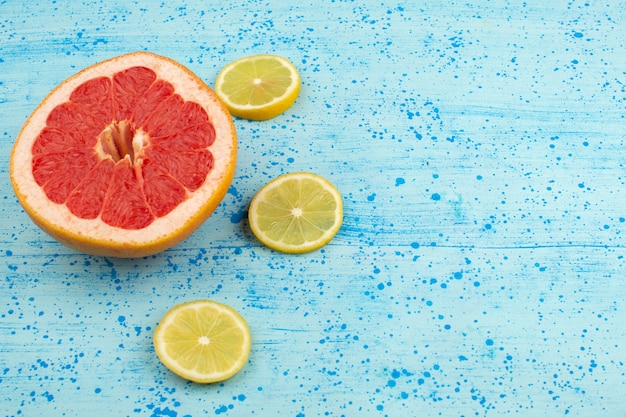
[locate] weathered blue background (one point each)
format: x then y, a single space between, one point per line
480 269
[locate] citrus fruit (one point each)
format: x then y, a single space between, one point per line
258 87
203 341
296 213
125 158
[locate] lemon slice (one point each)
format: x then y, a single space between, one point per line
202 341
258 87
296 213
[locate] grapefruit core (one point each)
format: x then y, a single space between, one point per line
125 158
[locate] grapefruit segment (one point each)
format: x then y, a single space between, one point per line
190 168
72 117
163 192
126 158
198 136
128 87
158 92
124 205
60 173
54 140
162 120
95 97
87 199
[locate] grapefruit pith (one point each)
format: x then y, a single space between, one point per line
125 158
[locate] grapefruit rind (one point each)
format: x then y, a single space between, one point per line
92 236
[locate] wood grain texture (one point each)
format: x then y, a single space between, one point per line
479 270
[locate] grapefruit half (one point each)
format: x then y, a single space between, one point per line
126 158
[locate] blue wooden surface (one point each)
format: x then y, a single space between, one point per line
480 268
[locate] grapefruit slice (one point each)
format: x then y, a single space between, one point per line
125 158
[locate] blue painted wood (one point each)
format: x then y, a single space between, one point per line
479 270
